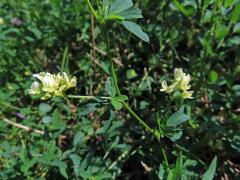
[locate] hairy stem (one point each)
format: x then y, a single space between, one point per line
115 81
113 73
92 9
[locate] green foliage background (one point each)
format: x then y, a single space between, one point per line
88 140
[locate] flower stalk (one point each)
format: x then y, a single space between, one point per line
88 97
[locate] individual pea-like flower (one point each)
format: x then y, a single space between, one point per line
35 88
181 79
1 21
50 85
180 83
166 88
187 94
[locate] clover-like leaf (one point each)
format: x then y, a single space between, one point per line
135 29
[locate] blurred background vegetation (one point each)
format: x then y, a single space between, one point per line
84 141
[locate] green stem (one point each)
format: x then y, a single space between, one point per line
92 9
137 117
88 97
115 81
165 158
113 73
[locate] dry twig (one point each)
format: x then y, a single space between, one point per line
26 128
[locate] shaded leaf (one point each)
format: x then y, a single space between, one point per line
120 5
135 29
177 118
116 104
209 174
132 13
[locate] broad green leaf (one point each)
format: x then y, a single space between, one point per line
161 172
62 167
88 107
228 3
189 166
236 28
78 138
120 5
135 29
186 10
235 144
206 3
106 67
221 31
170 175
207 17
209 174
56 120
177 118
106 7
116 104
174 135
213 76
76 162
132 13
234 40
235 16
28 164
46 119
44 109
236 87
104 175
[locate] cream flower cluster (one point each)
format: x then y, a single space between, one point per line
50 85
180 83
1 21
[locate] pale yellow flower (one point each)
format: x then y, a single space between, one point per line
178 74
187 94
35 88
49 84
166 88
1 21
181 82
184 82
52 85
